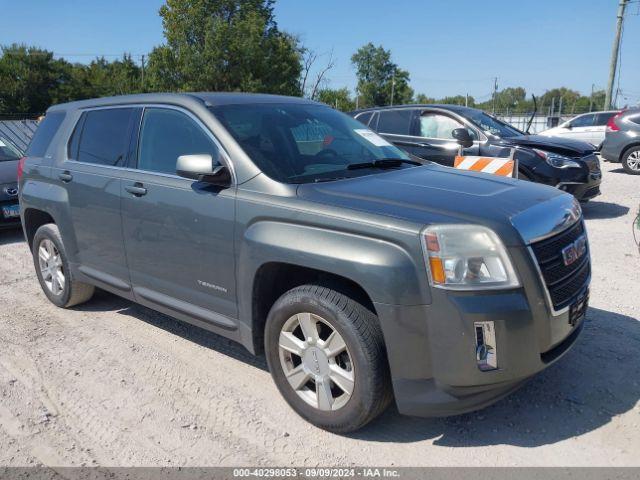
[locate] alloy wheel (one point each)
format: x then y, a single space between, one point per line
316 361
51 266
633 160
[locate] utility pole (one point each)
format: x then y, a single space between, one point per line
142 71
495 93
466 100
593 86
614 53
393 85
357 99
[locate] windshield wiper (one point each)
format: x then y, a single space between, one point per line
382 163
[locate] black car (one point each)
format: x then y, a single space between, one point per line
426 132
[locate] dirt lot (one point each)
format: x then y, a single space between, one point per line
113 383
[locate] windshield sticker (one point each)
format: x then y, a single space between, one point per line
2 144
372 137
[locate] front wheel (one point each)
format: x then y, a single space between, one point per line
631 161
327 357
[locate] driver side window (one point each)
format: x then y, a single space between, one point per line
166 134
436 125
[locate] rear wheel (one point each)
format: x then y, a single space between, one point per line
327 357
52 269
631 161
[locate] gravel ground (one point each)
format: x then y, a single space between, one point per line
112 383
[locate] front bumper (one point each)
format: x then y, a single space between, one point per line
8 197
583 183
432 348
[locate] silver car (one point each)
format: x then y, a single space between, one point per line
588 127
622 142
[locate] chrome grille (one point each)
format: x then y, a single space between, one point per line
563 282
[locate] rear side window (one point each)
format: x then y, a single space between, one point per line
395 121
603 118
44 134
165 135
583 121
102 136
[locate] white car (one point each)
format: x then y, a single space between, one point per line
588 127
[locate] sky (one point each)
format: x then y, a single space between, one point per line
449 47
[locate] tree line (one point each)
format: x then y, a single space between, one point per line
235 45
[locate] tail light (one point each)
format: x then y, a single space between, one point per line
21 167
612 126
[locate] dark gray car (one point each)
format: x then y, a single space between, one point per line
9 210
622 141
293 229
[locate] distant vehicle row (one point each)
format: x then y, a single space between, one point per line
426 132
9 210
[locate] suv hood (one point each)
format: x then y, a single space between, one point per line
563 146
434 194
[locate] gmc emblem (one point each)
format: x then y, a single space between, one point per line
571 253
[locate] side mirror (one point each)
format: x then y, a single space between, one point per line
568 126
200 167
462 136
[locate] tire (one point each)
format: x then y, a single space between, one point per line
363 359
631 161
69 292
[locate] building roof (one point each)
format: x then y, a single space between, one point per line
18 132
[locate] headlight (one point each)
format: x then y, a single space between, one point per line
556 160
467 257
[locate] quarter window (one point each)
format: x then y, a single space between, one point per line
44 134
364 118
102 136
395 121
436 125
165 135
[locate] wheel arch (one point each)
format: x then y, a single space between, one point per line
33 219
273 279
627 148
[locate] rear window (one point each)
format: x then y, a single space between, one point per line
44 134
102 136
8 151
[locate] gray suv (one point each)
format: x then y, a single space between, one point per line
293 229
622 141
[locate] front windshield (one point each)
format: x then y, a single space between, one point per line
7 151
302 143
492 125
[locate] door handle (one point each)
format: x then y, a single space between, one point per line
65 176
136 189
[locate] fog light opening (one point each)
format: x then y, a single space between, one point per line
486 348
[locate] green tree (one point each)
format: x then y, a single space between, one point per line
28 78
423 99
378 77
337 98
569 98
232 45
458 100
